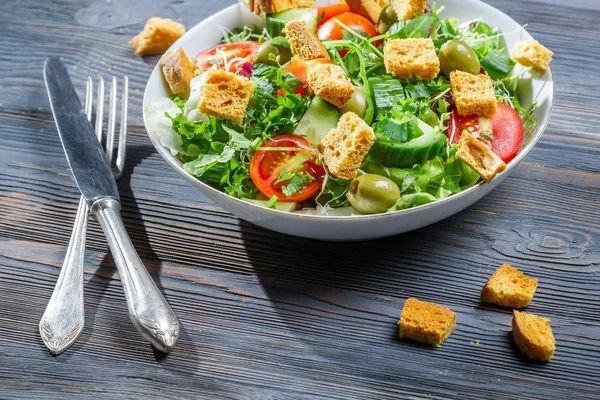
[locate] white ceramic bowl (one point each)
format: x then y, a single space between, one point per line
351 228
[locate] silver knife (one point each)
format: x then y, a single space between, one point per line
148 309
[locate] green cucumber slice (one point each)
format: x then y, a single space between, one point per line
280 205
276 22
394 154
318 120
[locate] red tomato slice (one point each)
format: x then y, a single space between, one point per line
209 57
506 128
296 155
300 70
331 30
325 13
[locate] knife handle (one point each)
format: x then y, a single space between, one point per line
63 319
149 311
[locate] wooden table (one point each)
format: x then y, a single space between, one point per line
267 316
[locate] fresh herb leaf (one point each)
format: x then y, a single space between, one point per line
419 27
399 131
334 192
497 64
387 91
295 181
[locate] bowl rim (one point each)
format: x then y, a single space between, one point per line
536 136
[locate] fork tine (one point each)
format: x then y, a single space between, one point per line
112 117
88 98
100 109
122 146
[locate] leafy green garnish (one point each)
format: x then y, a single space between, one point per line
400 131
295 181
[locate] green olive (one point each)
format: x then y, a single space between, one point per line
456 55
373 194
387 18
357 104
268 52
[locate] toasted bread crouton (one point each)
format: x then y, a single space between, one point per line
178 70
275 6
479 157
370 9
226 95
531 53
509 287
304 44
158 35
409 9
405 57
425 322
533 336
331 83
345 147
473 94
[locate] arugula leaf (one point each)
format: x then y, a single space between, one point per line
334 192
419 27
295 181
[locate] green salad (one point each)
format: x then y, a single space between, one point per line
269 152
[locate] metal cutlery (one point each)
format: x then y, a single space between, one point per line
63 320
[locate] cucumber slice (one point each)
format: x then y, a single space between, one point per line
280 205
276 22
394 154
318 120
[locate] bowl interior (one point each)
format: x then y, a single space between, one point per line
532 87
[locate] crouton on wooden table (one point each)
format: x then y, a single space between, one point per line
405 57
226 95
473 94
531 53
275 6
331 83
178 70
304 44
478 156
409 9
345 147
509 287
425 322
370 9
533 336
158 35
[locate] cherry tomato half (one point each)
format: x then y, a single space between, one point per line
209 57
300 70
325 13
331 30
505 126
296 156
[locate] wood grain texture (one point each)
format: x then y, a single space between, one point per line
266 316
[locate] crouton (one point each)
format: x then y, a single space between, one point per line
479 157
226 95
532 54
533 336
304 44
425 322
275 6
178 70
473 94
344 148
405 57
370 9
509 287
409 9
331 83
158 35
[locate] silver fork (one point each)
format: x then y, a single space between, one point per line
63 319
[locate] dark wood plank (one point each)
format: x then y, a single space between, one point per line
269 316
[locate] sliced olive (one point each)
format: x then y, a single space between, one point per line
456 55
373 194
357 104
387 18
268 52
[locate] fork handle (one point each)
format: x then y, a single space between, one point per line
63 319
149 311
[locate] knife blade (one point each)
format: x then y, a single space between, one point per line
85 155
